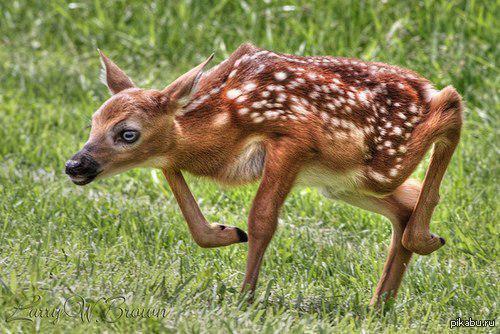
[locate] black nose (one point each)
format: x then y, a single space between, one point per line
81 165
70 164
73 166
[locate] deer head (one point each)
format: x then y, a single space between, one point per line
134 127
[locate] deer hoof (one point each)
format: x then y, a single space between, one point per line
232 234
421 244
242 235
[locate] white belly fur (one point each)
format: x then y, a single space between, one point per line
249 164
329 182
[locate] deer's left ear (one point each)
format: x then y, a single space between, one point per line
183 88
113 77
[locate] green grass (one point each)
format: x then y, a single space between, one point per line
125 235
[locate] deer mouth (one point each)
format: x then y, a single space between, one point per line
81 180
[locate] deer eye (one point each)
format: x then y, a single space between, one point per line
129 136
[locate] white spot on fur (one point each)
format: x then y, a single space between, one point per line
281 97
298 108
413 109
280 76
363 97
397 131
233 93
335 121
259 104
260 68
314 95
401 115
249 87
221 119
232 74
312 76
241 98
271 114
304 101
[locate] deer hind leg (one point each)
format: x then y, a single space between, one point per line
448 112
397 207
417 236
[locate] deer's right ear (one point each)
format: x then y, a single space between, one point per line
183 88
112 76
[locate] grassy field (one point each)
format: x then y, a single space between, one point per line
125 236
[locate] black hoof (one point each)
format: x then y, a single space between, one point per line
442 240
242 235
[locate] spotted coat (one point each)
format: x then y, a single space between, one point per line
350 116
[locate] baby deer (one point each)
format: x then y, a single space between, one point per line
354 129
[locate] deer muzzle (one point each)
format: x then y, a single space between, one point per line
82 168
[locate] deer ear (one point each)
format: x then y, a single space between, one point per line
112 76
183 88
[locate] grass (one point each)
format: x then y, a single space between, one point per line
125 236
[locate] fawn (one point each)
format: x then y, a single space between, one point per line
354 129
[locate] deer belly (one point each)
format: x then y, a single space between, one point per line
328 181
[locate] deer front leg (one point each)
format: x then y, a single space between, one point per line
205 234
279 176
